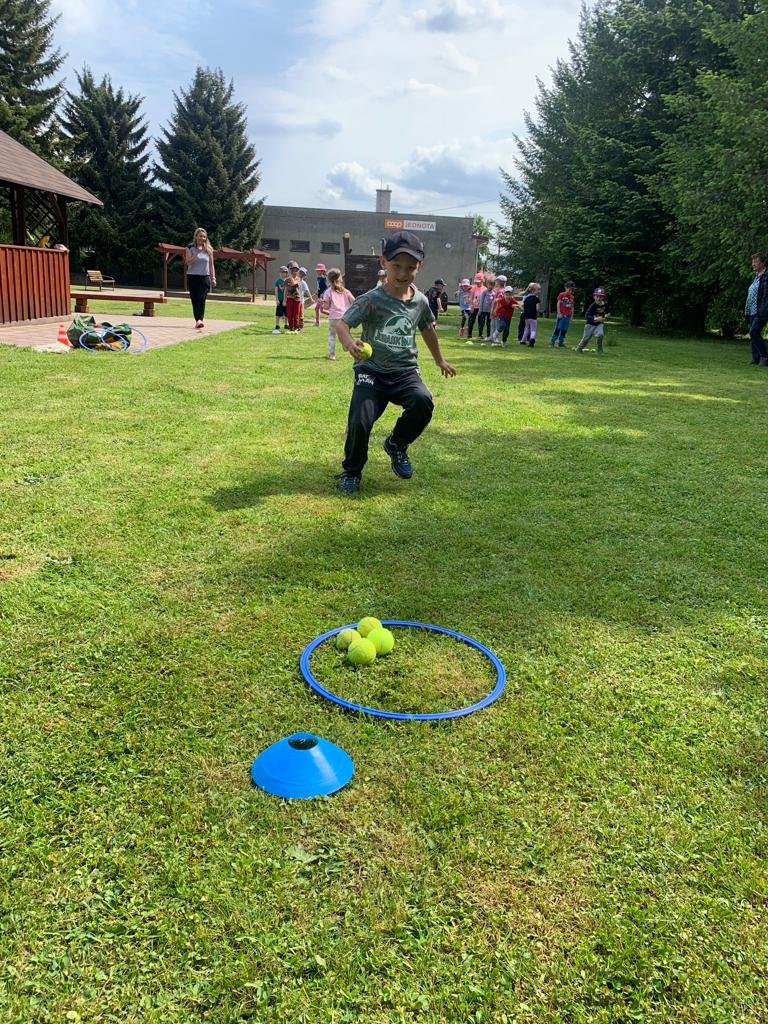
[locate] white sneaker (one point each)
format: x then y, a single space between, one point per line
277 331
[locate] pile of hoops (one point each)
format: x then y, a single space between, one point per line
107 339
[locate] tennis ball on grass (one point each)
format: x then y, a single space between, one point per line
365 625
361 652
365 351
382 639
345 638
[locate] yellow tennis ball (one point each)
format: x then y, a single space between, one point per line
365 625
382 639
345 638
361 652
365 351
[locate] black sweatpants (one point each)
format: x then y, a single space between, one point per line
198 285
484 321
371 394
472 318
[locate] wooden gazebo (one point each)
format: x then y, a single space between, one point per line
34 276
253 257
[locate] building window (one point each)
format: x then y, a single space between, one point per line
299 246
270 243
330 247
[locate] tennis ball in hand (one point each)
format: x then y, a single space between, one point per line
361 652
365 351
345 638
365 625
382 639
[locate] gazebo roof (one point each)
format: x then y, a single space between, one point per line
244 255
20 166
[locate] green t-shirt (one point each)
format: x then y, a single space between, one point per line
389 326
280 293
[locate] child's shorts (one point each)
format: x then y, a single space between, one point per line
280 309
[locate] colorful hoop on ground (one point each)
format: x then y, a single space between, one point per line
101 333
405 716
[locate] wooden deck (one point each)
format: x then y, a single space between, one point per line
160 331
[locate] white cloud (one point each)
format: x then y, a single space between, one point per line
461 15
350 182
336 74
452 175
412 87
289 124
455 60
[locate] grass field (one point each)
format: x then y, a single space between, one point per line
590 849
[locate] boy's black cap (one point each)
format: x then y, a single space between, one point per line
403 241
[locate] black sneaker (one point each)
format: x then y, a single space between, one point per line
401 464
348 484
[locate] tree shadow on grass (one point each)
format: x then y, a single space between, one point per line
626 528
700 386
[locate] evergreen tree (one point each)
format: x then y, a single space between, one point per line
107 145
715 170
208 167
27 105
586 203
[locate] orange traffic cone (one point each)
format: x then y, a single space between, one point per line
62 336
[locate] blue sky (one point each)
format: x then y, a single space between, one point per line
344 95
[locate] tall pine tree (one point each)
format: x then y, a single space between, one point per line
715 169
107 142
587 197
27 103
208 168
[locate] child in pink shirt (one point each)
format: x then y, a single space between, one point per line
336 300
477 291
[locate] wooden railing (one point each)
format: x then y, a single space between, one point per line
34 283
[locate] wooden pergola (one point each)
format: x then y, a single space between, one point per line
34 275
253 257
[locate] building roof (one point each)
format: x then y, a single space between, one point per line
20 166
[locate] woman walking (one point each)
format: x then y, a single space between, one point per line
201 273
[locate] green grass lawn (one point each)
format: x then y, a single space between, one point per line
590 849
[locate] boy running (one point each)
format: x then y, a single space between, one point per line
390 316
595 316
565 303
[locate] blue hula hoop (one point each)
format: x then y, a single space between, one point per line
102 332
405 716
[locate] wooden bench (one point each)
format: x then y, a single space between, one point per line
96 277
81 300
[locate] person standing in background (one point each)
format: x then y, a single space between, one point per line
280 301
201 273
756 309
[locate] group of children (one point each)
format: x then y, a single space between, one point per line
293 294
490 303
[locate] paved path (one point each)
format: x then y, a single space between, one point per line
160 330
